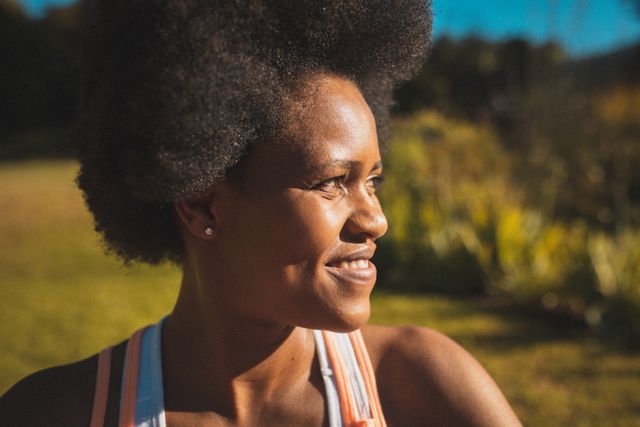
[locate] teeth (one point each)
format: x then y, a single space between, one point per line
359 263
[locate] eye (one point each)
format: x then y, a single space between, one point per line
374 182
332 185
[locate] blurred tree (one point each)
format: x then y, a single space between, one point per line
38 79
547 110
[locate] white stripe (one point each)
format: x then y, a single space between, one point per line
331 389
356 382
150 399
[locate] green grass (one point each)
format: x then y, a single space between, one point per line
553 374
63 299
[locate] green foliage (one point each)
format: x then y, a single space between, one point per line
459 224
616 261
474 78
571 126
438 214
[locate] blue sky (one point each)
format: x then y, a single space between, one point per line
582 26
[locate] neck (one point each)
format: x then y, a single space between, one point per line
225 362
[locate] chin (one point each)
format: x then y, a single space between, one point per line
348 327
336 311
347 320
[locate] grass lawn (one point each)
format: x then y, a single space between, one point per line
63 299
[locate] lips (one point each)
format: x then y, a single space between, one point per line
354 266
349 255
357 264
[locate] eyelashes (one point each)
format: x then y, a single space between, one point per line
337 184
375 181
332 185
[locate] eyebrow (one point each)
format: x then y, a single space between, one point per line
347 164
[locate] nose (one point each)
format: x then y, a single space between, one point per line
367 221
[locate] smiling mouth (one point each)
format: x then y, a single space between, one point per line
357 264
360 272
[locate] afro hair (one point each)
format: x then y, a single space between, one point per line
174 91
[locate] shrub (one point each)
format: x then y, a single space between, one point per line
460 225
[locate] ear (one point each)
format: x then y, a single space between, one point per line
197 215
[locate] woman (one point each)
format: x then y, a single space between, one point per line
239 139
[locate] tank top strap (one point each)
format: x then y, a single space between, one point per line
128 394
350 386
150 395
364 363
141 395
101 394
352 396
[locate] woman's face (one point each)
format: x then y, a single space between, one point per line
294 238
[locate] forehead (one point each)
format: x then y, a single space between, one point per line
330 113
329 121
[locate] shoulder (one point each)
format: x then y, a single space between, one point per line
424 373
58 396
62 395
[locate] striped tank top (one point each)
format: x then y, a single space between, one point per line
350 386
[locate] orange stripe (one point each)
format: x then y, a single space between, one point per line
368 375
375 413
367 381
346 407
130 387
102 388
372 379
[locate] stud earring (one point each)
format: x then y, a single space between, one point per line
208 230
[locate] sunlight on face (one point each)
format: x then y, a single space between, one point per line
299 236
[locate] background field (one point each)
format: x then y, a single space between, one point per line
63 299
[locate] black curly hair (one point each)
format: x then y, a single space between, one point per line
174 91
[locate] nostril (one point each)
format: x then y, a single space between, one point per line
384 225
369 222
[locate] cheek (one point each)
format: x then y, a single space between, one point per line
289 232
307 227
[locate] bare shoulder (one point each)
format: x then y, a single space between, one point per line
62 396
425 376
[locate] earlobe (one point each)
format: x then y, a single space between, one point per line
196 215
